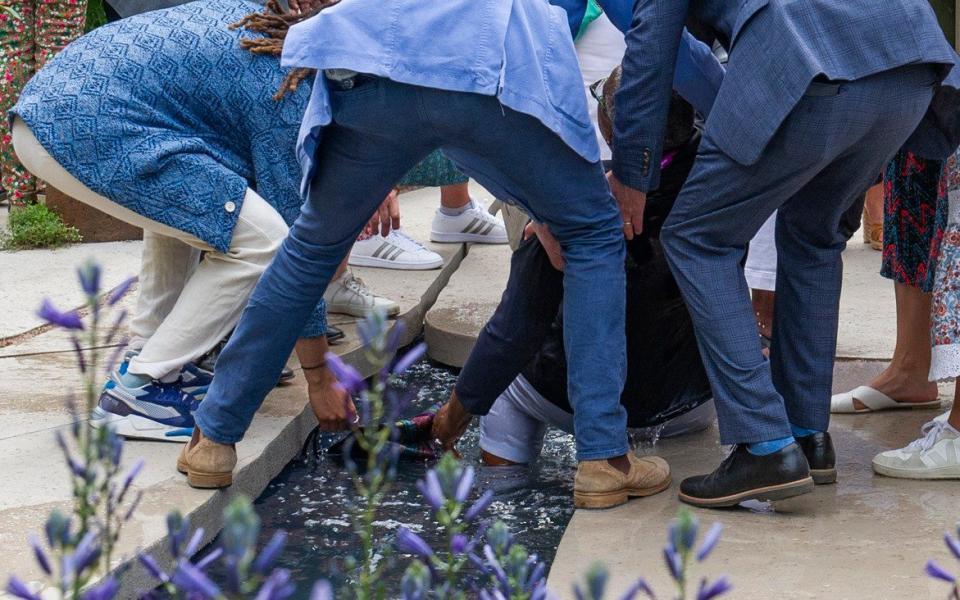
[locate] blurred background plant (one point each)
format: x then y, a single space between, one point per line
36 226
96 15
477 560
80 547
7 8
934 570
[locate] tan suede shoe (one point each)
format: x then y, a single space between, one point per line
600 485
206 463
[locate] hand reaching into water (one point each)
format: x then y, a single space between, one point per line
450 424
330 402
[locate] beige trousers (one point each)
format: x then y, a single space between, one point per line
186 305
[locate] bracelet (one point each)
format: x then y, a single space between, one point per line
322 364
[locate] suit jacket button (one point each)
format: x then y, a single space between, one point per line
230 207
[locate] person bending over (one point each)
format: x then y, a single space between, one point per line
509 110
163 121
516 375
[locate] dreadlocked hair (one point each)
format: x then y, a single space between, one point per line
274 22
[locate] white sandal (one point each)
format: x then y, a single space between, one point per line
873 400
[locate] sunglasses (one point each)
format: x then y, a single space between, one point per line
596 90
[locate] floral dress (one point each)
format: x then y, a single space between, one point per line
914 219
945 331
26 43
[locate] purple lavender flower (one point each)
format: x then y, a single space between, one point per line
411 543
153 568
119 291
482 504
932 569
194 544
410 357
415 584
712 590
464 485
105 590
20 589
277 586
349 378
430 487
89 274
953 545
208 560
68 320
270 552
672 559
638 586
40 555
322 590
87 553
128 479
709 541
191 580
459 543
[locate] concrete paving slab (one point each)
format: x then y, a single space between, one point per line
467 303
866 537
868 313
31 275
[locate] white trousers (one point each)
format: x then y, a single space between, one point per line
761 267
186 305
517 422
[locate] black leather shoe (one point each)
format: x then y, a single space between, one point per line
334 334
744 476
818 448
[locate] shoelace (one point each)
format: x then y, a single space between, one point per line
406 242
931 432
355 284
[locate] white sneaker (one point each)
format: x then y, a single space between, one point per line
348 295
936 455
396 251
139 428
475 224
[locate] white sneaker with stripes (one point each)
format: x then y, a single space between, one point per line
396 251
349 295
475 224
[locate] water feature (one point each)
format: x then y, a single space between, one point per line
309 498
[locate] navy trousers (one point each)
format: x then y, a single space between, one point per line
819 163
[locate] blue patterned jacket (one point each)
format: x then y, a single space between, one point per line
164 114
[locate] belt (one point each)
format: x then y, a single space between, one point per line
349 83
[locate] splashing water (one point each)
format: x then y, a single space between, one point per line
309 498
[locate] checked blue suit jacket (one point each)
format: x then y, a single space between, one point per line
777 48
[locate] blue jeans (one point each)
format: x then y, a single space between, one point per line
826 153
380 130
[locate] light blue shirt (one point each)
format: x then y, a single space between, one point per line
520 51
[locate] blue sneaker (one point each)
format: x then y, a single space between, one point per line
165 403
194 380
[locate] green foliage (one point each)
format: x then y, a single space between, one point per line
36 226
96 16
9 10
